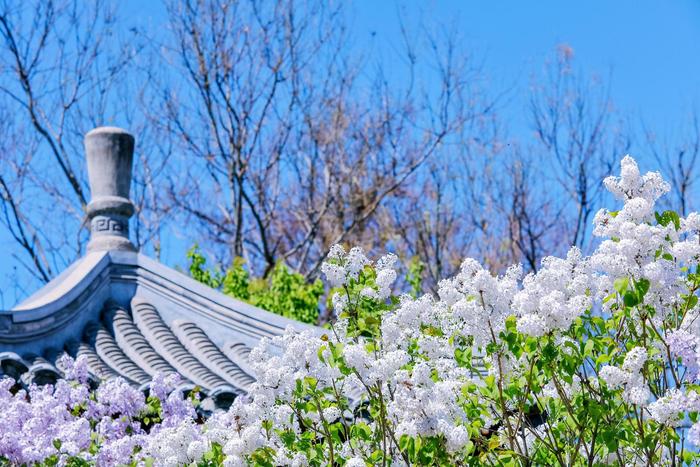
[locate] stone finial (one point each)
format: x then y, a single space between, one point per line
110 153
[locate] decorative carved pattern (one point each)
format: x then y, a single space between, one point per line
107 224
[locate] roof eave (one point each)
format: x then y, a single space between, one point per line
60 310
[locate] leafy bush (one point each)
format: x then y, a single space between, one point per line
593 360
284 292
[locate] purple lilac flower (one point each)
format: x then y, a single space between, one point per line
116 396
174 406
684 345
164 384
73 370
115 452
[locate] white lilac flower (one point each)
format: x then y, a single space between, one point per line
369 292
355 462
385 278
635 359
631 184
637 394
668 410
335 274
331 414
553 297
629 377
687 251
170 445
337 252
340 302
691 223
386 262
457 437
355 262
684 345
613 376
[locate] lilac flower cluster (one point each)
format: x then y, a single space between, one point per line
106 426
41 422
686 346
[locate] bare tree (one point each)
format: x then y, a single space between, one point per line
580 138
294 149
261 133
679 161
534 227
62 73
447 213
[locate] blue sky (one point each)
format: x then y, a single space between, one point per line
651 48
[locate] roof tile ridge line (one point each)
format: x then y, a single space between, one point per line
108 350
220 315
239 353
110 353
72 280
96 366
138 357
195 340
86 348
57 320
169 347
206 293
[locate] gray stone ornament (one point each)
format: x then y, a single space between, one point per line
110 154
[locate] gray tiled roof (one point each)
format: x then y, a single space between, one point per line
132 317
129 315
136 344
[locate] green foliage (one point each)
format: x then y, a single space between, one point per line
283 292
197 271
668 217
287 293
414 276
236 280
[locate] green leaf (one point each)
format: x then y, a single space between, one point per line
511 322
630 299
311 382
621 285
371 321
363 431
463 356
668 217
602 359
642 286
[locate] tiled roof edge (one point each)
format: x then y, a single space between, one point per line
60 310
